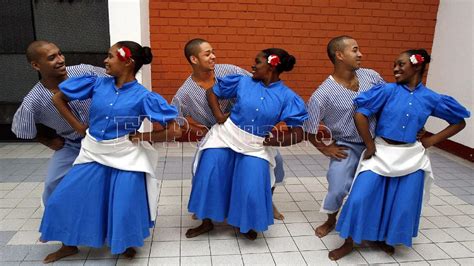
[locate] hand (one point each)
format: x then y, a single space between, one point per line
136 137
56 143
335 151
420 133
427 142
223 118
82 130
370 151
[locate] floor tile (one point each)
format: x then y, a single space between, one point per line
281 244
317 258
277 230
376 256
233 260
257 246
300 229
258 259
165 249
224 247
195 248
430 251
306 243
164 261
288 258
456 250
196 260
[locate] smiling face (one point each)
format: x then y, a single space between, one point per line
351 55
403 69
49 61
113 65
205 58
261 70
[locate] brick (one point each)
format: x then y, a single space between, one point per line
158 5
228 14
177 5
198 6
218 6
237 7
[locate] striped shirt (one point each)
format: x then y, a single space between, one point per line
38 108
191 99
333 105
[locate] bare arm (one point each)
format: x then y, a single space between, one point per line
444 134
214 105
48 137
171 132
333 150
60 102
285 138
362 124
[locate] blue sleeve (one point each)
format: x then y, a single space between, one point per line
372 101
450 110
294 112
157 109
78 88
316 112
226 87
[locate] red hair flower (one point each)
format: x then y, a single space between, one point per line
273 60
416 59
123 53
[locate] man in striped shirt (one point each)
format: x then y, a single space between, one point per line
37 111
332 104
195 114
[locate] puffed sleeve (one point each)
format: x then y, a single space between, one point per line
157 109
450 110
23 124
316 112
372 101
179 101
226 87
294 112
78 88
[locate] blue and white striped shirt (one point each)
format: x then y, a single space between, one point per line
191 99
38 108
333 104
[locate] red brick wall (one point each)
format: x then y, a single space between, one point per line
238 29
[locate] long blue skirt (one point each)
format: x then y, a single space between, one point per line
383 208
96 205
231 185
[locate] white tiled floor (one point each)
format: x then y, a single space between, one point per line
446 235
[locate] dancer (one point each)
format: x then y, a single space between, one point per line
234 172
332 103
109 196
386 197
37 114
191 100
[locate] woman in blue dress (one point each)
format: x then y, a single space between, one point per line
108 197
233 171
393 178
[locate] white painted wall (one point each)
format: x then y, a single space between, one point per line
451 70
129 21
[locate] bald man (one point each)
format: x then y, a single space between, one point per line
37 111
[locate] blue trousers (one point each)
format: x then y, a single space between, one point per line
279 171
340 175
58 166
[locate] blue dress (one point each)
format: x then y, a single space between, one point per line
232 185
95 204
381 208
